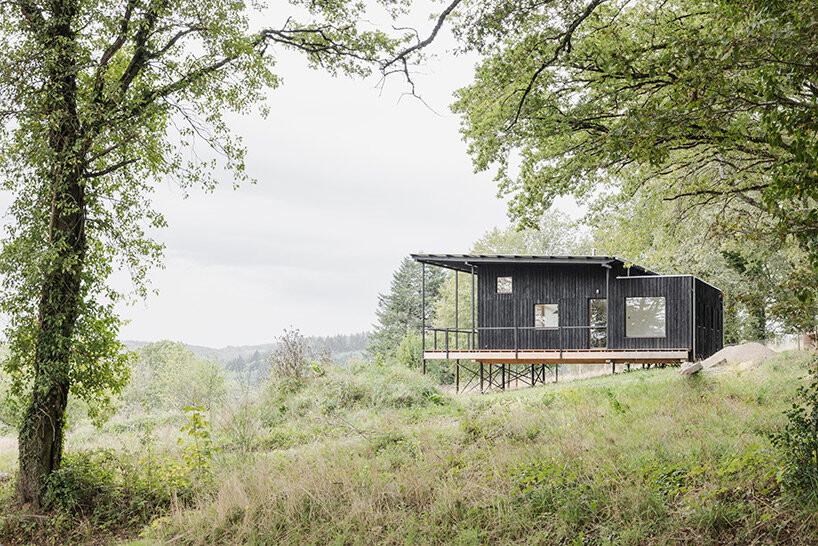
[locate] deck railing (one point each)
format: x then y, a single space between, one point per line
449 339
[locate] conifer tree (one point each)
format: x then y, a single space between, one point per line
400 310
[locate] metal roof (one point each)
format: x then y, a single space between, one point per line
464 262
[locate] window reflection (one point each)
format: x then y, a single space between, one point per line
598 320
546 315
504 285
645 317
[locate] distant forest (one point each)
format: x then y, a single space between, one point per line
253 361
341 348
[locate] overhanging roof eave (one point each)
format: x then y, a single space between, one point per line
464 262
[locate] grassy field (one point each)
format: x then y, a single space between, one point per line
379 455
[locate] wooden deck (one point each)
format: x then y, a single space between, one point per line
573 356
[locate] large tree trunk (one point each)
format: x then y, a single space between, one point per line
41 431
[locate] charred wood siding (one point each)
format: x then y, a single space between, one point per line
506 321
569 286
709 320
678 294
572 287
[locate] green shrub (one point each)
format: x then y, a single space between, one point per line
799 439
101 494
410 352
361 387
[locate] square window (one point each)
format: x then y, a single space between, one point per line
504 285
645 317
546 315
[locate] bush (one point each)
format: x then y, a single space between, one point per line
100 494
799 439
289 360
339 388
410 352
380 387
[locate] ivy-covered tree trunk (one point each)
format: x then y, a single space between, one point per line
41 431
100 101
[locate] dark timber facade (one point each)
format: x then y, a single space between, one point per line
546 310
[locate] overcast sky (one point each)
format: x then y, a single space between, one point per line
350 180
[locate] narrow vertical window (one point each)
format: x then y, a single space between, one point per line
597 322
546 315
504 285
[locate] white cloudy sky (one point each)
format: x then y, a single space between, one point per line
350 180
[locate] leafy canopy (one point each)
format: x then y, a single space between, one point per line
99 102
719 99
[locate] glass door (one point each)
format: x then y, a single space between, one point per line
598 322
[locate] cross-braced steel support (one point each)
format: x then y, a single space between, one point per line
486 377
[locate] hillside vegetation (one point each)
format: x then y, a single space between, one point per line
377 454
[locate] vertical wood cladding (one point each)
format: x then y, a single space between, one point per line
568 285
709 320
571 286
678 294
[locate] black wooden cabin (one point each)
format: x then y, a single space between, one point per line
564 309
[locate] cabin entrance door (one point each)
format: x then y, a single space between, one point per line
598 323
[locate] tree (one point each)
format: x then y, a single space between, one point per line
759 277
100 101
718 99
168 375
289 360
399 311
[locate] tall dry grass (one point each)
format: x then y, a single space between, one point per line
644 457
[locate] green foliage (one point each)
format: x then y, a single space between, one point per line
241 428
198 445
341 389
168 375
399 311
708 105
290 358
101 101
410 351
103 493
798 440
553 234
10 404
767 284
555 464
617 406
795 301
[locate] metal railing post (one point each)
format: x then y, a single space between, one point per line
423 316
473 319
516 343
456 310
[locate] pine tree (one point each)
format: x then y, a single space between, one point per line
400 311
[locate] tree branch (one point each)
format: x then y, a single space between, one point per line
563 45
404 55
111 168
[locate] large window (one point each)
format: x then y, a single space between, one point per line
645 317
546 315
504 285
